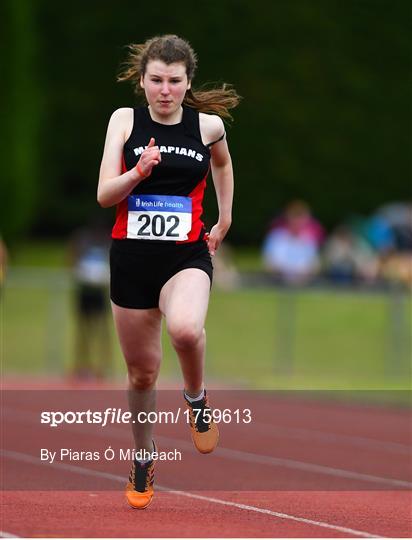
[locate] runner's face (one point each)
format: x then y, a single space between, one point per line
165 86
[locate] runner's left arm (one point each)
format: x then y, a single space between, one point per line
222 173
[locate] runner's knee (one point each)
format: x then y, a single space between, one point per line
185 336
142 379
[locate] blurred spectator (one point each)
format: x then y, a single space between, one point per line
397 268
89 248
348 258
291 247
389 233
396 263
308 225
399 218
380 234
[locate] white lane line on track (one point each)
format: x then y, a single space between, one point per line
320 469
334 438
89 472
4 534
241 455
280 515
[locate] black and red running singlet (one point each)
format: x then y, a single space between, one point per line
168 205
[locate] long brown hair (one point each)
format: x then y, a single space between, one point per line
169 49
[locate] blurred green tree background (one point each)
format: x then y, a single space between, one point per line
325 115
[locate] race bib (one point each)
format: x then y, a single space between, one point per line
159 217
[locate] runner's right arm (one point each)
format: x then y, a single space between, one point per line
113 186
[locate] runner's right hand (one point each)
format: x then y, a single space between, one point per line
149 159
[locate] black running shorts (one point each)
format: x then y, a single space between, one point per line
139 269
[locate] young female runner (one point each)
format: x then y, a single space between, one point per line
154 168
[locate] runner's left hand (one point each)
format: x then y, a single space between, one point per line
215 238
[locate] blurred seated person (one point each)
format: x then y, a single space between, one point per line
397 268
89 254
291 247
389 232
379 234
398 216
348 258
308 225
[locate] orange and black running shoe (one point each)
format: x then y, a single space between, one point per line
139 489
204 431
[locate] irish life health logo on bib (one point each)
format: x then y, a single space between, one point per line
159 217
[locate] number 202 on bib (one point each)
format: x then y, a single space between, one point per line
159 217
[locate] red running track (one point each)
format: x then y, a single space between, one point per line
298 437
